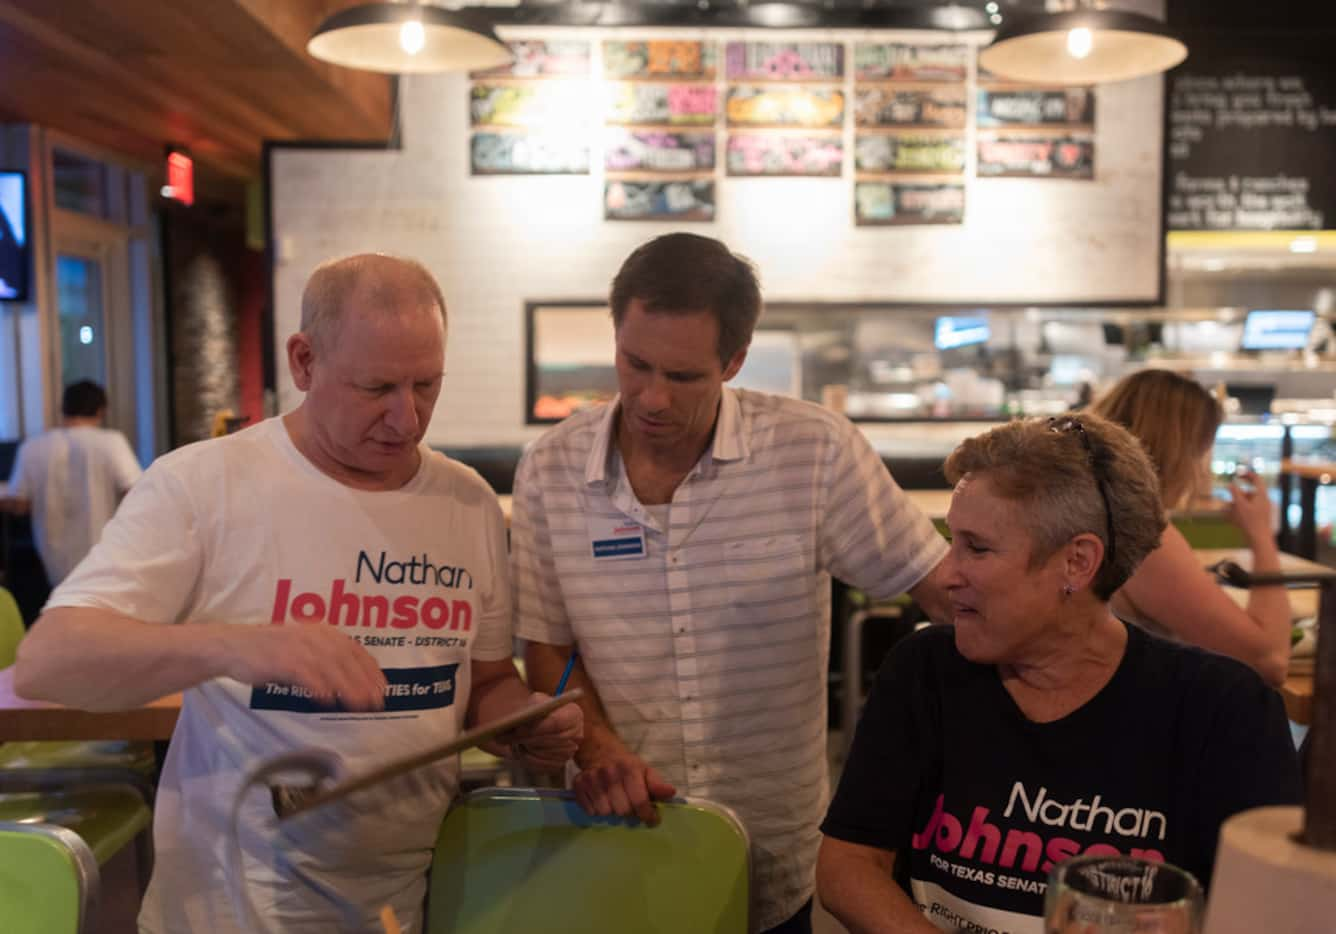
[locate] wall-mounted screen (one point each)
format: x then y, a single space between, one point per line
571 359
1272 329
13 236
953 332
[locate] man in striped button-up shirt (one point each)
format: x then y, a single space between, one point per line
684 537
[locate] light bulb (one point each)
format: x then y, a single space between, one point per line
1080 42
412 37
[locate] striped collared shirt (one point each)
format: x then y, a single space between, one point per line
710 651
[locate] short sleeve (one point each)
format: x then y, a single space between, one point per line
540 611
124 463
149 559
493 642
895 751
1247 753
872 534
20 478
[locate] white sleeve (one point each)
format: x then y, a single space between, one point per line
20 484
148 562
540 611
125 465
494 640
872 536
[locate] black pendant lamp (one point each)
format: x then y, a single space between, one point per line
408 37
1082 46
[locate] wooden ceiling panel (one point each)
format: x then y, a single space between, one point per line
220 76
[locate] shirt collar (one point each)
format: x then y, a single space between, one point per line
729 444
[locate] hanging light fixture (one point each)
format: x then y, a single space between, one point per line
408 37
1083 45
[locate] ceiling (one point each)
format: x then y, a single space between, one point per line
217 76
221 76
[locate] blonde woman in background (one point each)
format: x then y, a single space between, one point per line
1176 419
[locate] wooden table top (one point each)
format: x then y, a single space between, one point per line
22 719
1321 471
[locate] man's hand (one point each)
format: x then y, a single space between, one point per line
617 781
324 661
547 744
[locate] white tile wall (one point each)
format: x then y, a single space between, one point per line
496 242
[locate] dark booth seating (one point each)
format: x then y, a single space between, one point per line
496 464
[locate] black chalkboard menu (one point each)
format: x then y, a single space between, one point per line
1251 143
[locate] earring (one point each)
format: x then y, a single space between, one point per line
1068 590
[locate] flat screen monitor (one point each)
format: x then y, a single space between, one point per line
13 236
952 332
1277 330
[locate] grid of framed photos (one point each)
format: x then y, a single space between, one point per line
659 132
785 108
533 116
670 116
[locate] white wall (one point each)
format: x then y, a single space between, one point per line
496 242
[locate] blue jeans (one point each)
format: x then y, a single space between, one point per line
800 923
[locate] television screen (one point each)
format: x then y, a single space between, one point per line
959 332
13 236
1277 330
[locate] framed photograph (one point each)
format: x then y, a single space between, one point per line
886 106
784 61
678 200
544 58
909 152
903 203
632 103
905 61
528 154
633 150
1036 155
756 105
773 153
660 59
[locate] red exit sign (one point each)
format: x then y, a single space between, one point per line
180 178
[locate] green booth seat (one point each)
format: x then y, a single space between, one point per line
49 879
531 860
1209 530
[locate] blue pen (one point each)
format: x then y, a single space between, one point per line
566 673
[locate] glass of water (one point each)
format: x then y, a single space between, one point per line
1121 895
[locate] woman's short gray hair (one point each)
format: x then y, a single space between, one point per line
381 282
1073 474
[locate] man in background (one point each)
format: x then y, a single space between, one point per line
683 536
70 479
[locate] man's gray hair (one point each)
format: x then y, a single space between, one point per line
382 283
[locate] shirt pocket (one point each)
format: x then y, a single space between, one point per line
765 567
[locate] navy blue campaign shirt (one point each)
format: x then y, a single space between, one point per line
978 801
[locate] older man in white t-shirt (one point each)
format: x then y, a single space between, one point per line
70 479
320 579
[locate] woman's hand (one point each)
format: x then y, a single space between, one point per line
1251 508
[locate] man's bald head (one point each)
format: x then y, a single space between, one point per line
375 283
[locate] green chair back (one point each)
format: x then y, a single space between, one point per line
1210 530
48 879
106 818
526 860
11 628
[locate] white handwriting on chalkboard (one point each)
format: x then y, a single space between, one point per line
1200 103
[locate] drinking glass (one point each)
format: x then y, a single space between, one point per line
1121 895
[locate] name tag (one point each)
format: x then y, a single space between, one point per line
616 540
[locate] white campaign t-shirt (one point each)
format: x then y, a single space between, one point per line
245 530
73 478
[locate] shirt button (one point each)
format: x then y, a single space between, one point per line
672 559
681 630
